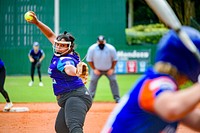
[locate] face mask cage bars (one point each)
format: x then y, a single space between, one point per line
61 42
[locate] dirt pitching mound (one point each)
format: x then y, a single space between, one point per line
41 118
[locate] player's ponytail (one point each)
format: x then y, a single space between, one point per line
167 68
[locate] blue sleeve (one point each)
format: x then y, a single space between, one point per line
1 63
63 62
42 52
152 88
30 52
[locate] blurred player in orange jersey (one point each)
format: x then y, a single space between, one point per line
156 104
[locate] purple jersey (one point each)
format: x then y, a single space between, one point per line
135 113
63 83
1 63
36 56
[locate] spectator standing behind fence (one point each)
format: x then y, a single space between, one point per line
102 58
36 55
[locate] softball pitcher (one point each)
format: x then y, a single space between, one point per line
68 77
156 104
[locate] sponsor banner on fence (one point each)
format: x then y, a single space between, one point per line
135 61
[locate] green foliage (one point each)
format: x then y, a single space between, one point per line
19 91
141 34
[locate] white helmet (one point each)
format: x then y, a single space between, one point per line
69 40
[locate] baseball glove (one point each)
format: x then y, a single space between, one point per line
82 71
38 64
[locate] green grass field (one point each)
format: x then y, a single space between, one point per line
19 91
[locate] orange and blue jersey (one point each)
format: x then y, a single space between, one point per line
135 113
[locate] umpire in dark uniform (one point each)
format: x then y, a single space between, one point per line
36 56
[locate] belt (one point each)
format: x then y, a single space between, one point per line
58 96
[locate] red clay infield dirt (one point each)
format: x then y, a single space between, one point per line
41 118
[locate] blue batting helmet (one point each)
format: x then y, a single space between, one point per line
171 49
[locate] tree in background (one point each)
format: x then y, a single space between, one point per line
184 9
138 12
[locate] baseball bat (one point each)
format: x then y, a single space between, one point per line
167 15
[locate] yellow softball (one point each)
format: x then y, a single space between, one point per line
28 16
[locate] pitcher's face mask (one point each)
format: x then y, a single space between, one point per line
63 44
61 47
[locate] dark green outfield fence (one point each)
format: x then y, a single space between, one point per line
17 36
85 19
